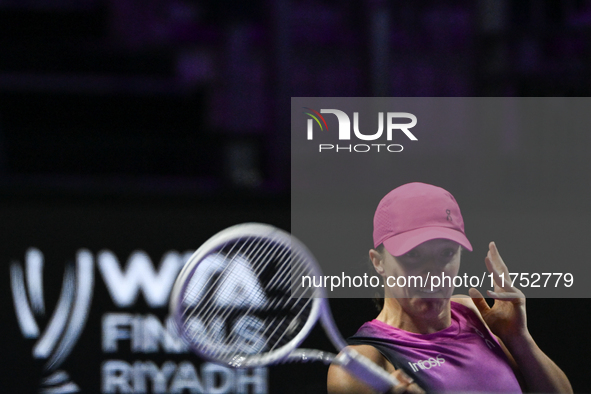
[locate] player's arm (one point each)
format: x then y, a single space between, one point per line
507 320
467 302
541 375
339 381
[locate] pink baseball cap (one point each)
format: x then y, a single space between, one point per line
415 213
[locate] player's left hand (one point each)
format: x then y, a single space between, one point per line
507 317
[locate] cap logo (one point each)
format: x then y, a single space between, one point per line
448 214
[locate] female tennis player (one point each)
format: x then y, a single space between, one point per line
425 337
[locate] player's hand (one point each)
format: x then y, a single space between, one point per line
507 317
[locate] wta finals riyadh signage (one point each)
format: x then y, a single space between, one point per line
122 332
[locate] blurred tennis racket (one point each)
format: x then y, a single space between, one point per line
239 301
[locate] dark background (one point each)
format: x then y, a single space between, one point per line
128 124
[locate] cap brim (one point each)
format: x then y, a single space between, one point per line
402 243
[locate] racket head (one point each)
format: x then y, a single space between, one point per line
234 302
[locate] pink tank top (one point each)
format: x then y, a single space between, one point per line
464 357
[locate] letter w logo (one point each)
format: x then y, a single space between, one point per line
140 274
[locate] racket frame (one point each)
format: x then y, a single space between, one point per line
237 232
355 363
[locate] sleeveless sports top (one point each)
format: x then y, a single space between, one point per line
465 357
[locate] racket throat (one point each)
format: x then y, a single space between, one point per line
366 371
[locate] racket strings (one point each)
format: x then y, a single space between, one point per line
191 294
216 285
215 311
288 304
244 305
288 323
198 282
291 309
293 305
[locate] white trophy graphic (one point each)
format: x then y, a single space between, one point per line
66 323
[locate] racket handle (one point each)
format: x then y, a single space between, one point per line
365 370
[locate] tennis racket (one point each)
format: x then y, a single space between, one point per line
238 301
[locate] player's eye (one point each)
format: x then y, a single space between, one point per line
448 252
413 254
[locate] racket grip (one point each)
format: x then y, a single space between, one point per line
366 371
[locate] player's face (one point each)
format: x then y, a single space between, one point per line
418 267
